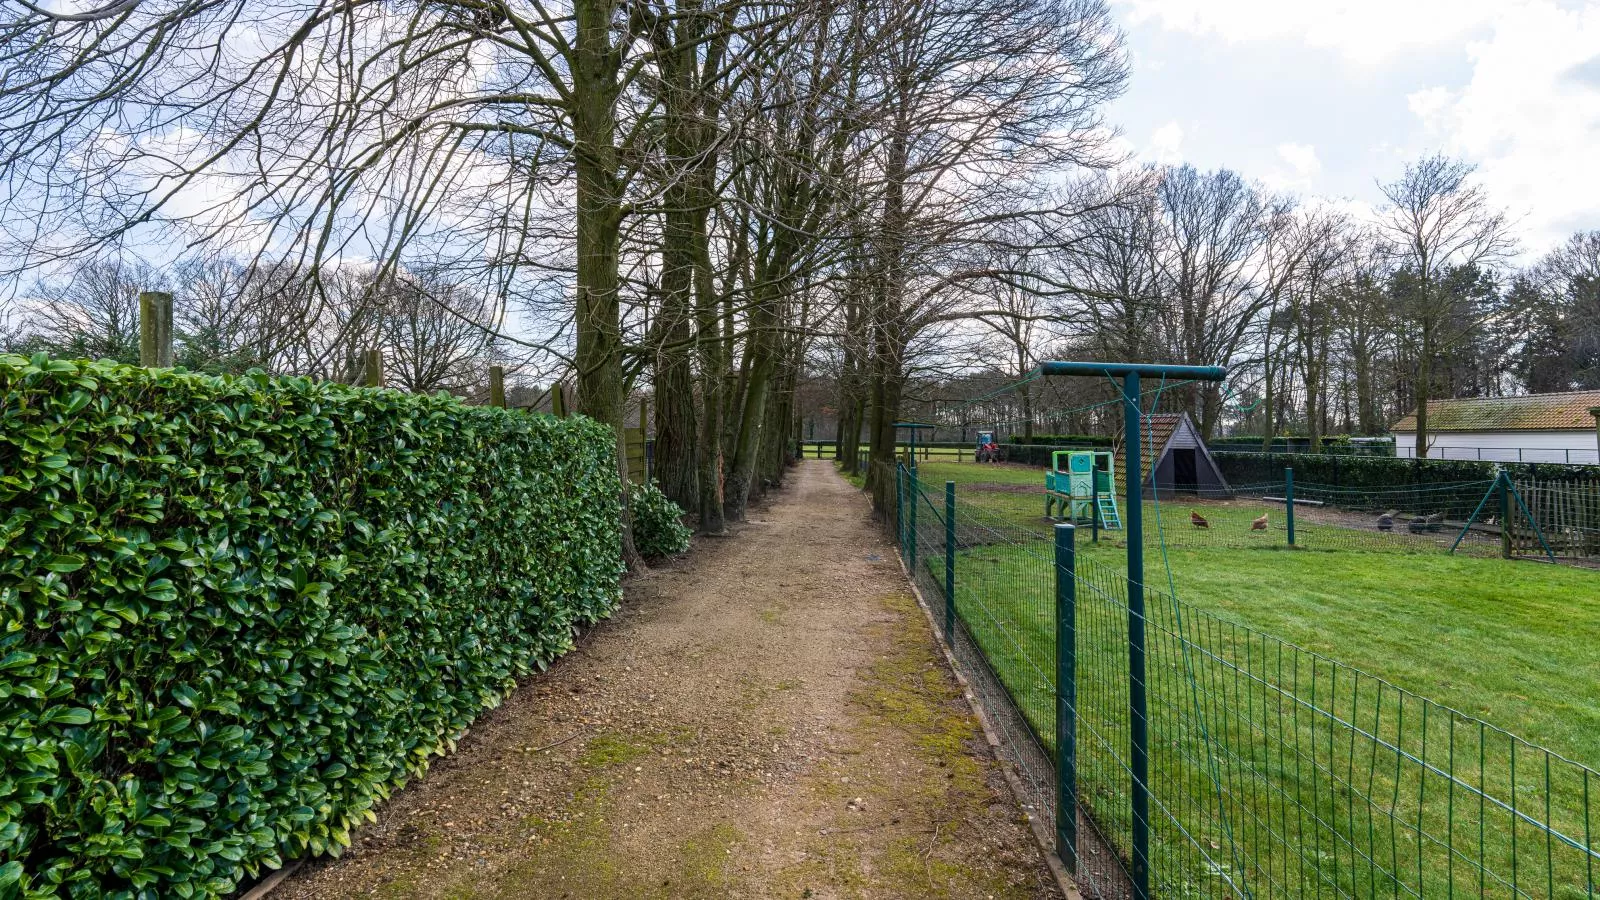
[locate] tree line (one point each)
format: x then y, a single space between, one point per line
688 197
723 204
1332 318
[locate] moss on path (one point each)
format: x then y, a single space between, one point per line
767 718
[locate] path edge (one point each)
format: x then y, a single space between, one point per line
1041 835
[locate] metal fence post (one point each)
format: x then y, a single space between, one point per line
1505 513
1094 505
1138 724
900 507
1288 500
1066 697
950 562
913 493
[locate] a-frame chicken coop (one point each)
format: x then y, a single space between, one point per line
1175 458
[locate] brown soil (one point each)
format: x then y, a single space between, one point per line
1000 487
768 718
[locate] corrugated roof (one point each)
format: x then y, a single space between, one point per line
1534 412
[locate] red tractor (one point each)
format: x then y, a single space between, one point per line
988 449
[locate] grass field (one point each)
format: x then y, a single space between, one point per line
1246 752
1514 642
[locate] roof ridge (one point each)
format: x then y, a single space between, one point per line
1564 395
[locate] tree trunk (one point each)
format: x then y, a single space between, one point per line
760 364
676 456
1366 394
1424 388
598 354
713 378
1027 414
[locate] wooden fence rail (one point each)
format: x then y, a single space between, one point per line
1568 513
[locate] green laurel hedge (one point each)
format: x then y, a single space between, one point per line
237 612
658 528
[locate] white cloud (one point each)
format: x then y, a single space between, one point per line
1515 89
1528 117
1299 171
1166 145
1363 31
1302 158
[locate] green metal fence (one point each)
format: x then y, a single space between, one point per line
1273 771
1463 517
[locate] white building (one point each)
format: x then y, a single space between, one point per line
1559 428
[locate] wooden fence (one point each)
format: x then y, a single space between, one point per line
1568 513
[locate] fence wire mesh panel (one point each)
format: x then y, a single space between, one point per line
1274 771
1466 516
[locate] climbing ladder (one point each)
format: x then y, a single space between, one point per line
1110 518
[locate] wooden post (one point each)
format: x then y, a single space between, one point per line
558 403
374 369
497 386
155 329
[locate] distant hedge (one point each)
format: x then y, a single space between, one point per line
1380 471
1064 440
237 612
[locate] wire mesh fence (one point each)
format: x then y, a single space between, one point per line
1273 771
1467 517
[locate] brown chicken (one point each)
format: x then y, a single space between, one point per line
1198 520
1259 524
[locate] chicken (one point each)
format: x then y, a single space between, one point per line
1386 521
1417 525
1435 522
1259 524
1198 520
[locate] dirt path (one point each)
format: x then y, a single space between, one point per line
768 718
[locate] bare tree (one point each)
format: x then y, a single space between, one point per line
92 311
1321 272
433 333
1113 261
1561 312
1439 219
1214 228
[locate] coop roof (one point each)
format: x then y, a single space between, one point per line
1154 435
1570 411
1155 431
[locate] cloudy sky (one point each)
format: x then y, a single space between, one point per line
1327 96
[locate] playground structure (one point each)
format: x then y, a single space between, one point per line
1081 485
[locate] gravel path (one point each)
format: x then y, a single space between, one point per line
767 718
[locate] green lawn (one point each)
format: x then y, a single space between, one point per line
1015 495
1292 773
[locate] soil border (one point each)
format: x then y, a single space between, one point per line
1037 826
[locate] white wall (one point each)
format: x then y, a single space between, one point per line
1505 446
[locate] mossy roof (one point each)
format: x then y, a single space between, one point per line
1572 411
